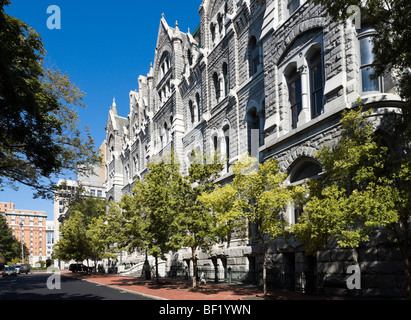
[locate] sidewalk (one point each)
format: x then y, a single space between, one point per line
170 289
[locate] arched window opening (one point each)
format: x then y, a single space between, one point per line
192 114
226 130
216 82
316 83
198 107
294 95
253 132
225 79
253 56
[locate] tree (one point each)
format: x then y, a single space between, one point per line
362 189
73 242
39 132
195 226
150 210
259 195
84 235
227 208
10 247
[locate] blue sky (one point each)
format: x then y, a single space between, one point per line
104 46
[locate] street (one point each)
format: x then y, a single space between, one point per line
34 287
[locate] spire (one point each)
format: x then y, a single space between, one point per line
114 107
177 33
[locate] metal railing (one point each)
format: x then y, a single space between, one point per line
305 282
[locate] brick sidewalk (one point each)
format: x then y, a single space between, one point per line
170 289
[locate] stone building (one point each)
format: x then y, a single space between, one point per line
267 77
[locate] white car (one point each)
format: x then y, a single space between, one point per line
17 266
9 271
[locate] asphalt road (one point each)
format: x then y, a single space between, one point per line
34 287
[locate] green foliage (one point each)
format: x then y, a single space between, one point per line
264 196
364 187
10 247
257 195
85 234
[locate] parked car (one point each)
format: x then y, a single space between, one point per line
78 267
25 268
9 271
17 266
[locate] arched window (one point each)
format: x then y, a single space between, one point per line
301 169
294 94
198 107
166 132
192 113
212 31
220 23
189 57
216 82
305 170
225 79
253 132
226 130
315 62
253 56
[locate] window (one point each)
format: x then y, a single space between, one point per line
198 107
220 23
166 132
253 132
212 31
316 85
367 69
192 113
253 55
295 96
225 79
226 130
189 57
292 6
216 81
215 144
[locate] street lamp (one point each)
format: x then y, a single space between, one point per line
21 238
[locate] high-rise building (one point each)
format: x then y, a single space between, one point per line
28 226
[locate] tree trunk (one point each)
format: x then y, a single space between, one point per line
157 277
406 265
193 255
407 275
264 270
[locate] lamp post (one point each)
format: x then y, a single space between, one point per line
21 239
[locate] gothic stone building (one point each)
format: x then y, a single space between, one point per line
267 77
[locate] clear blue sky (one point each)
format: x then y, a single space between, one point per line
104 46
